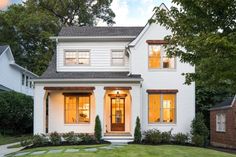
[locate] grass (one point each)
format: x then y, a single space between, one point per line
12 139
136 150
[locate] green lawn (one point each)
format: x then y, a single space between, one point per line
137 151
12 139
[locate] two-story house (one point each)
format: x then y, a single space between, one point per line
14 77
118 73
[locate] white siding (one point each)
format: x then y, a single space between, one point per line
164 79
100 56
11 77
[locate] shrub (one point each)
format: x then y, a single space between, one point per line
98 129
87 139
198 140
137 131
198 128
39 140
152 136
71 138
180 138
26 142
55 138
166 137
16 113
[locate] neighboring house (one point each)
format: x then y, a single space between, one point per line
118 73
223 124
12 76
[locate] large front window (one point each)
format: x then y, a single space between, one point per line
77 109
158 58
161 108
79 57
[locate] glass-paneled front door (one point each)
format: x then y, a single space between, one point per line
117 114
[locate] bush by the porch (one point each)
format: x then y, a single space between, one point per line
137 132
16 113
98 129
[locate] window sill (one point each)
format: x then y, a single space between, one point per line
79 124
162 124
220 131
162 70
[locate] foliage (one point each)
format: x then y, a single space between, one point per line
71 138
137 131
87 139
16 113
198 140
180 138
206 29
198 128
98 129
26 142
166 137
55 138
152 136
77 12
39 140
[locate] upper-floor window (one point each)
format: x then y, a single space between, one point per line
158 58
161 108
117 57
77 57
23 79
27 81
220 122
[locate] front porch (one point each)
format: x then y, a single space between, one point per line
74 108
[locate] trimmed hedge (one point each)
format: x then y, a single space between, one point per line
16 113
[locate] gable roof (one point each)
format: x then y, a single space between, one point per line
228 102
87 31
3 48
52 74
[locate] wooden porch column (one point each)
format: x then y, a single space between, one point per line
99 94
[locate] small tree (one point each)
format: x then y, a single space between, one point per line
98 129
137 132
199 130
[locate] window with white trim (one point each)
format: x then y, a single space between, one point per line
77 57
117 57
157 58
220 122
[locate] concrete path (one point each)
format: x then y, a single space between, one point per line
4 150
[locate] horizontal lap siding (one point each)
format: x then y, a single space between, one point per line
100 56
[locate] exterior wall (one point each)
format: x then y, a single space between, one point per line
10 77
56 108
225 139
163 79
100 56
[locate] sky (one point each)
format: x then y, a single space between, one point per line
128 12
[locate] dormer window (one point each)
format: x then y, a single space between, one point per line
77 57
117 57
157 57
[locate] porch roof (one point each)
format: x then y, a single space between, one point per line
51 73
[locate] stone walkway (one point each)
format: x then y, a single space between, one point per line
4 150
70 150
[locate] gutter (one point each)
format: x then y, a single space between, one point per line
92 37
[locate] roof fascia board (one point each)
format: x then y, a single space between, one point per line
92 37
23 69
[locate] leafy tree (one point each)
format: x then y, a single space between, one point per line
27 30
137 131
79 12
206 29
98 129
16 113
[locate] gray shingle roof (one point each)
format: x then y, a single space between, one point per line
3 48
225 104
100 31
51 73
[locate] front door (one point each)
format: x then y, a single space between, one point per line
118 114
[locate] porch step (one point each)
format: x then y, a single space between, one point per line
118 139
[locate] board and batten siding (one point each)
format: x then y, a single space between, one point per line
100 56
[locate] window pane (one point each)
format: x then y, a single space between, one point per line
117 58
168 105
70 58
23 79
70 110
154 56
168 63
117 61
84 109
154 108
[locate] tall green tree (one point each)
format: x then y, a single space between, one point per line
79 12
207 31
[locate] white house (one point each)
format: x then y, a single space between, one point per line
13 77
118 73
